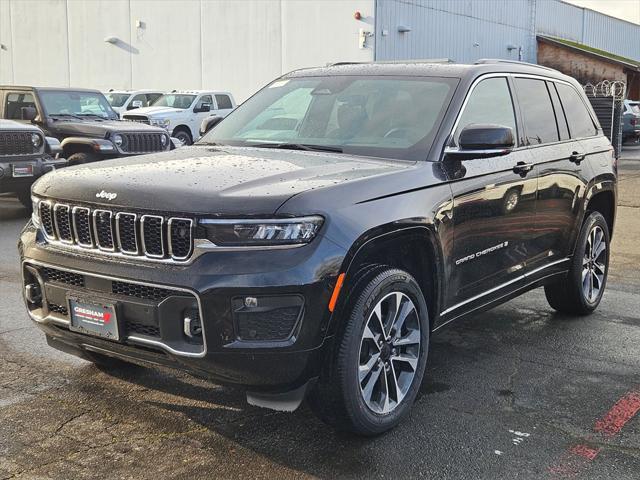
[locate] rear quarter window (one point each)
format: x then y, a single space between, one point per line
580 121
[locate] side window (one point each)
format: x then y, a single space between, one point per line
561 116
490 102
205 99
14 103
537 111
223 101
152 97
580 122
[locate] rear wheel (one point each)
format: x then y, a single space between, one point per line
581 291
380 355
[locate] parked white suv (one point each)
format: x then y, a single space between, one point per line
182 112
124 100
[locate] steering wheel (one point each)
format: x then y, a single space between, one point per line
400 129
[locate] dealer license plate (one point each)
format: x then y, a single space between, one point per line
94 317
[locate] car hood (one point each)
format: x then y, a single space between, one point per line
99 129
157 111
217 181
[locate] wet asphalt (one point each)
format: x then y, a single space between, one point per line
516 392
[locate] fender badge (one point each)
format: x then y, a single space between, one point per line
106 195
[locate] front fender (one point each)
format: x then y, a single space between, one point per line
98 145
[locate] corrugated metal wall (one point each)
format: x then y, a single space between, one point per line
462 30
465 30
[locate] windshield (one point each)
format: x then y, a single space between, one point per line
391 117
117 99
175 101
76 104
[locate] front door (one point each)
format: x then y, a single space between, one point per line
494 204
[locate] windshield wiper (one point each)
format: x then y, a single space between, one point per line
65 115
92 115
300 146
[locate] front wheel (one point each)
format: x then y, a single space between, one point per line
81 158
581 291
380 355
183 136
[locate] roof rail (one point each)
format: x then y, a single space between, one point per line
391 62
488 61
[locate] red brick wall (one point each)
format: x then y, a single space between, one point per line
585 68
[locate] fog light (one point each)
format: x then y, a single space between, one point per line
251 302
32 293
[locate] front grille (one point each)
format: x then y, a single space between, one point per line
59 276
142 142
136 118
133 327
62 218
16 143
140 291
150 236
62 310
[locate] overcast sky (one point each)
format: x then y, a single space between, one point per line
626 9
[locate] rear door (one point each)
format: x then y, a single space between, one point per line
560 163
560 181
494 204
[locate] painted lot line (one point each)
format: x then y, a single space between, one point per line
578 456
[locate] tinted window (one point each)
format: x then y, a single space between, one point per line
580 123
490 102
141 97
537 112
223 101
560 113
152 97
117 99
15 102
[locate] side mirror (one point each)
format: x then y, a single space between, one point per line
484 141
205 107
135 104
208 123
28 113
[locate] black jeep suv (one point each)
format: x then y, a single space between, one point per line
83 121
311 243
25 154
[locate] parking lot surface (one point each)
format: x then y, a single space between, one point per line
518 392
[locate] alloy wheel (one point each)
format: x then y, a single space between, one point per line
594 264
389 352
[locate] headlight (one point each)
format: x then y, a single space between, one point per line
36 140
118 140
272 232
160 122
163 140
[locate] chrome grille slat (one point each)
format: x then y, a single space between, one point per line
114 232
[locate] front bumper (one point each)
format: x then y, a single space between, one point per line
40 165
235 346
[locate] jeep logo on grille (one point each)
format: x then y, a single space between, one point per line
106 195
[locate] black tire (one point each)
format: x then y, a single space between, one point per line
337 397
183 135
25 199
81 157
568 294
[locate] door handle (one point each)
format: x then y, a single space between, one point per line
522 168
576 157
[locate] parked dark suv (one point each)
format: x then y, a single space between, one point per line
25 155
83 121
311 243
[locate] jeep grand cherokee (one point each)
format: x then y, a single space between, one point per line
313 241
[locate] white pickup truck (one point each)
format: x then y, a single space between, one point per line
124 100
182 112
